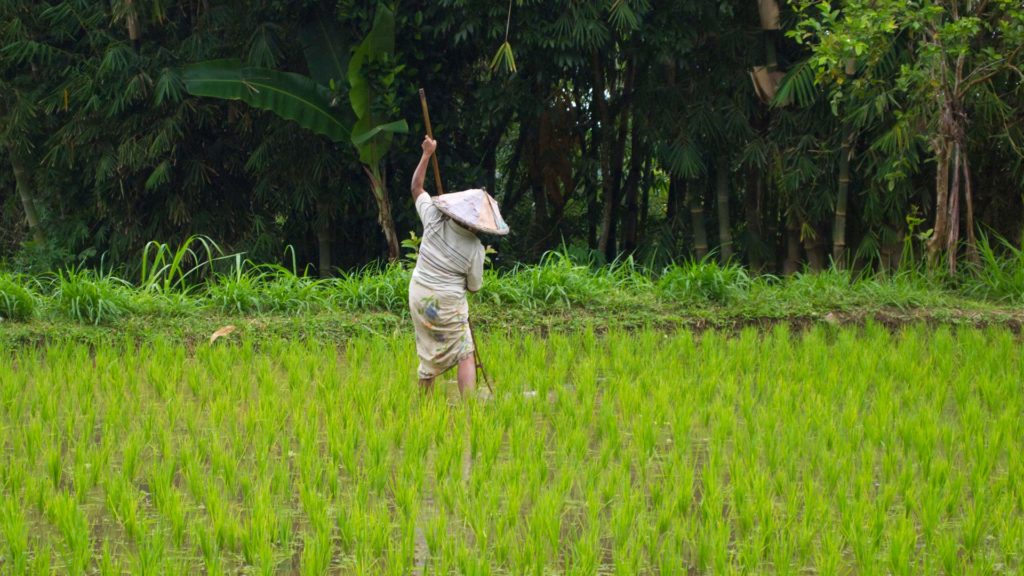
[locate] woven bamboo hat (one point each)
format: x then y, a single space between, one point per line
474 209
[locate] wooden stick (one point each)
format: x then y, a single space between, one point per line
430 132
476 356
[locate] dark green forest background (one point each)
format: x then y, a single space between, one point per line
856 133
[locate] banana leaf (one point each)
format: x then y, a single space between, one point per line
326 45
291 96
371 138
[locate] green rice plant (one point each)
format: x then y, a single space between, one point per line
703 281
14 528
316 552
18 301
91 297
206 540
42 563
830 450
586 552
168 500
74 529
125 504
108 564
151 554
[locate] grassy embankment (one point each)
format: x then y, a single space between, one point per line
168 299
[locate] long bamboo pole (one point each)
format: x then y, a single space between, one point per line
440 190
430 132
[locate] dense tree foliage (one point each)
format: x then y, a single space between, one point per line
784 136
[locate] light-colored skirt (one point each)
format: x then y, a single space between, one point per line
441 321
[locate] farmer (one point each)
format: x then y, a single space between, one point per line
450 261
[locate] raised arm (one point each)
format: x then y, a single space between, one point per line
429 145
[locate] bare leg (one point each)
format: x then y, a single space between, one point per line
427 385
467 375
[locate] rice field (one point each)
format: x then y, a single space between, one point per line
833 451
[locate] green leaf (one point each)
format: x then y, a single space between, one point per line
379 42
291 96
168 86
504 56
798 84
160 175
397 127
371 139
326 45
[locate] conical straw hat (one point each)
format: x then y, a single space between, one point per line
473 209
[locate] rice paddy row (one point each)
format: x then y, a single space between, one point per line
853 451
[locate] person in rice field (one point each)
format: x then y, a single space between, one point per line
450 262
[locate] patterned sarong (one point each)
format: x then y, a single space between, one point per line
441 321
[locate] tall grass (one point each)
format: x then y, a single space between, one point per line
18 299
997 276
703 281
166 270
91 297
373 287
197 278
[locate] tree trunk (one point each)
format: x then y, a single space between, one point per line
645 199
843 190
771 220
632 190
769 12
613 168
384 219
771 60
751 201
814 247
792 263
539 227
700 234
972 241
891 252
131 17
674 201
940 230
722 191
590 189
21 179
601 147
842 199
953 236
514 190
491 169
324 238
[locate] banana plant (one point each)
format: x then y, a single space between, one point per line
312 102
